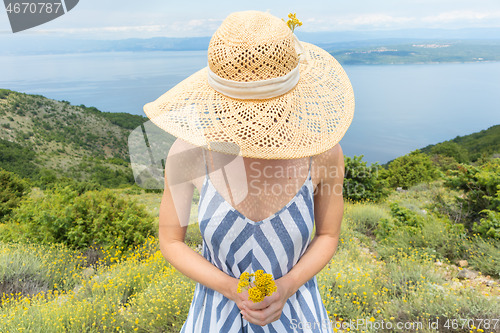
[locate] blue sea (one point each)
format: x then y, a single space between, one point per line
399 108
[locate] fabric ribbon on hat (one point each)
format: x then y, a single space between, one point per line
262 89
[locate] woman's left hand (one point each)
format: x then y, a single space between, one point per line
270 308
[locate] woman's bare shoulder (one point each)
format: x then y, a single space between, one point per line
329 164
180 146
184 161
333 156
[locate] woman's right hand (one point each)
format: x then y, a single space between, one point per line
234 296
271 307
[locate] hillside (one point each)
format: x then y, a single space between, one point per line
383 52
46 139
40 137
469 148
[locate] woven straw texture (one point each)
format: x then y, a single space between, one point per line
251 46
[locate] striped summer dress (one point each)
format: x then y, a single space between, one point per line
236 244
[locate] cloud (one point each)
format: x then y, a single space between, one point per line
199 27
190 28
353 22
452 19
376 20
464 16
96 30
207 26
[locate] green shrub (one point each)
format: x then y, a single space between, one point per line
365 217
436 238
111 178
28 269
93 218
444 163
483 254
4 93
134 190
451 149
489 226
79 186
410 169
384 228
444 237
401 218
480 186
45 178
12 190
362 182
169 296
117 161
17 158
405 216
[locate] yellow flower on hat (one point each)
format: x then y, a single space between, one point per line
293 21
261 286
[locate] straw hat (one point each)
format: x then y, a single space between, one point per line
264 94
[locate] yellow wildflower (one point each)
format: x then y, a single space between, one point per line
293 21
245 276
255 294
262 285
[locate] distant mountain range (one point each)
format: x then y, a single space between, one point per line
29 44
414 52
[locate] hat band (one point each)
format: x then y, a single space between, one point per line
262 89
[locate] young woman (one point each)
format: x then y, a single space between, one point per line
258 132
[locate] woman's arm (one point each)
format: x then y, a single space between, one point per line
328 211
173 220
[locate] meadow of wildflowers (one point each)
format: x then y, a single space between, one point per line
406 274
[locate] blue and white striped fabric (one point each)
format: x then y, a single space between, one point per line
236 244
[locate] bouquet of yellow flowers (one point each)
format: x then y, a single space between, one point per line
262 285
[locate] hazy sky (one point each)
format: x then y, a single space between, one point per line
150 18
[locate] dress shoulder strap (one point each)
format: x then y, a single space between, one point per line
207 177
205 161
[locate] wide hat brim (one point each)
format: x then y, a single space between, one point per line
309 119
